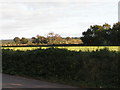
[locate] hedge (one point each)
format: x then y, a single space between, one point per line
83 69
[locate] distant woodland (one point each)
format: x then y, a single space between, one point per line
95 35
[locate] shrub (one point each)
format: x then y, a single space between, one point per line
88 69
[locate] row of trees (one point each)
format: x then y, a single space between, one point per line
20 41
50 39
95 35
102 35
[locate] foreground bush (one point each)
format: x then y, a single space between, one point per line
84 69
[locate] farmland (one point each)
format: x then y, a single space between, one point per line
71 48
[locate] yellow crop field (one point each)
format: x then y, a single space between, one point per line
71 48
92 48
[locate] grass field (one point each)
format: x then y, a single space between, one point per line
71 48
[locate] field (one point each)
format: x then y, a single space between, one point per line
71 48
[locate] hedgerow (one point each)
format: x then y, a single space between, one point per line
83 69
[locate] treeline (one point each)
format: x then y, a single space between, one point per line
82 69
95 35
49 40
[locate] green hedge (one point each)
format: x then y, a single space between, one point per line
84 69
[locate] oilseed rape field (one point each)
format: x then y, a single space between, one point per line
71 48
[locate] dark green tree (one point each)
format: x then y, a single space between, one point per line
115 34
97 35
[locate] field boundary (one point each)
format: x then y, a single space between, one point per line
71 48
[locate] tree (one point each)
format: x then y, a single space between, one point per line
54 38
42 40
115 34
24 41
16 40
39 40
33 40
50 37
68 38
57 39
97 35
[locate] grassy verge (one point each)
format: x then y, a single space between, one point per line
82 69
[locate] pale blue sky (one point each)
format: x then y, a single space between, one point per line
27 18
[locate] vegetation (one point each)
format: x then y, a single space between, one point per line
71 48
24 41
93 64
95 35
16 40
51 39
102 35
83 69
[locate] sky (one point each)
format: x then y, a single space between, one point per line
28 18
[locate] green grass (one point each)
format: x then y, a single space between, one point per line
71 48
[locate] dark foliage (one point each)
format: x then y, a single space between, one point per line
86 69
102 35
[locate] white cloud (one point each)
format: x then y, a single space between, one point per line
29 18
